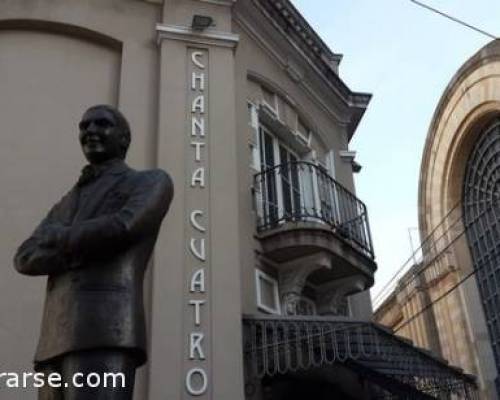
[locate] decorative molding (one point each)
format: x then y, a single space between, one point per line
290 302
187 34
295 73
227 3
64 29
293 276
331 303
286 20
286 17
308 44
282 131
284 64
332 296
347 155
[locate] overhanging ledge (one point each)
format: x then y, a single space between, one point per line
276 345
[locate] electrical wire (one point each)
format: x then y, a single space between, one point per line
425 242
382 292
442 296
454 287
458 21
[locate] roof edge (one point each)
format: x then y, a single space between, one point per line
317 52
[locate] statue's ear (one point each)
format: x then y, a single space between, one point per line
124 143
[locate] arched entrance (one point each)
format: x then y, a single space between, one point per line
457 153
481 195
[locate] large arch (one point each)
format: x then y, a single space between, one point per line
60 28
469 103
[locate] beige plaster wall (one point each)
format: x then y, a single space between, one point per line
63 55
266 59
39 158
56 59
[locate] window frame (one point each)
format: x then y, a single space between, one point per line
259 274
277 144
254 141
274 108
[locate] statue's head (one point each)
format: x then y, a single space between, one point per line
104 134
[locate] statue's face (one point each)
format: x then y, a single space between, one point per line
100 136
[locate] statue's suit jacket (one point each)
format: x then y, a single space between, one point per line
95 278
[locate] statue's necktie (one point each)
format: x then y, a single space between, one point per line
89 174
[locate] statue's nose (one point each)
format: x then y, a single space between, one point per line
92 128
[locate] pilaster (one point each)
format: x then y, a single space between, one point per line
197 341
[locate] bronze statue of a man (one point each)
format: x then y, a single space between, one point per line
94 245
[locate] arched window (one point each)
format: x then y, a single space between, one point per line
481 208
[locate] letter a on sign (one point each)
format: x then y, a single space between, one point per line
198 177
198 104
198 281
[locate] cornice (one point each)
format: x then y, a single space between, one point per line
283 16
227 3
247 27
286 16
302 31
186 34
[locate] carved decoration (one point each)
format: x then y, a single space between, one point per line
293 276
332 297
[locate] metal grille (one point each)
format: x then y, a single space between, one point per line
482 222
300 191
281 345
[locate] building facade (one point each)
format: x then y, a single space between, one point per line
457 278
258 287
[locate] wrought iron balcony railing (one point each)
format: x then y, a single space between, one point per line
301 191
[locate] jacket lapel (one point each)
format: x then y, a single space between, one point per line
104 186
67 207
71 206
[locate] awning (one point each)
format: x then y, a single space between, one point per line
275 345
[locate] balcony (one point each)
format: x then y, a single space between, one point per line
305 217
304 192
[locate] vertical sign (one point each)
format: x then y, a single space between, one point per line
197 307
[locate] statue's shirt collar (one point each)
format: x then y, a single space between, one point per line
92 172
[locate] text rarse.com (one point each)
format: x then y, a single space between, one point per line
15 380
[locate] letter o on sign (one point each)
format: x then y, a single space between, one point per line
196 382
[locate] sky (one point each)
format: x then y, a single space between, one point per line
405 56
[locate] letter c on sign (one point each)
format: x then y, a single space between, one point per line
189 382
196 58
194 222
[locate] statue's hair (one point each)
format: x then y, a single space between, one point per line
121 121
